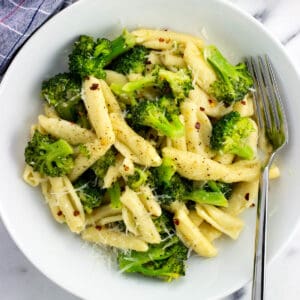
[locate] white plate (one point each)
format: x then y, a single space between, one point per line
62 256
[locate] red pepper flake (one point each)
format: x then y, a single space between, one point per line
59 213
98 227
197 125
161 40
126 168
247 195
243 102
202 108
76 213
176 222
94 86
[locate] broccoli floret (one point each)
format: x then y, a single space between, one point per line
49 156
138 179
218 186
90 57
149 113
164 224
165 260
114 193
168 185
90 194
133 61
180 82
230 133
101 166
233 82
63 92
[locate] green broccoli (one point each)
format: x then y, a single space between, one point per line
133 61
90 194
90 57
165 224
165 261
233 82
114 193
101 166
149 113
63 92
138 179
180 82
219 186
230 133
49 156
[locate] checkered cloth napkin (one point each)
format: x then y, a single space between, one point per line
18 20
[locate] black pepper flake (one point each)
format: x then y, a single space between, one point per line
202 108
59 213
210 101
76 213
247 195
98 227
94 86
252 205
161 40
243 102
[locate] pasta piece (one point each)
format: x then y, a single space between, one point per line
113 238
71 132
110 99
210 106
126 152
31 177
129 221
141 148
193 237
96 107
164 38
101 213
244 107
224 159
110 219
209 231
195 218
68 202
113 173
171 61
115 77
202 72
243 196
220 220
274 172
143 220
82 162
127 168
149 200
196 167
50 199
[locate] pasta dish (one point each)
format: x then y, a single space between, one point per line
148 144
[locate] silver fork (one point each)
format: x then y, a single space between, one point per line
272 123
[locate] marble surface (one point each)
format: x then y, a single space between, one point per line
20 280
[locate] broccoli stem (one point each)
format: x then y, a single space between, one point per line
114 193
138 84
203 197
244 151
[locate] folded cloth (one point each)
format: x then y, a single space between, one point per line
18 20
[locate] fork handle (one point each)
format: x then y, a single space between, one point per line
259 274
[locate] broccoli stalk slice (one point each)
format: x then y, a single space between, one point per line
149 113
49 156
144 82
233 82
114 193
204 197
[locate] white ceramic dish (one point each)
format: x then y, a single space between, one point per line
63 257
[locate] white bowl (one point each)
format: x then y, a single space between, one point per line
62 256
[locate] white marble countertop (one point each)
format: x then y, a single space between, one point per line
20 280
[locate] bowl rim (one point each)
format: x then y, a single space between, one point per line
5 79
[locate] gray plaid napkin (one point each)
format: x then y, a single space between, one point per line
18 20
